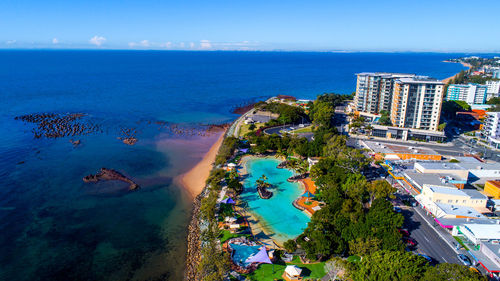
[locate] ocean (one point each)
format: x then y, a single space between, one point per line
54 226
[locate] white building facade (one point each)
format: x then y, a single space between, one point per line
470 93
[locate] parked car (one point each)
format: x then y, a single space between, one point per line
404 232
464 259
397 209
410 241
429 259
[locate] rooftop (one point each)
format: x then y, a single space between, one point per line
458 210
378 147
459 166
431 179
484 231
386 74
420 80
471 193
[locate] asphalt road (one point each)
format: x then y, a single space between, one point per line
428 241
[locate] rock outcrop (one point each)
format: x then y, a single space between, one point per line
110 174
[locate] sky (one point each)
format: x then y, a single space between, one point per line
330 25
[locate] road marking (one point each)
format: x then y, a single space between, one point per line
427 239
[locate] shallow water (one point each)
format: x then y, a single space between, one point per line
277 214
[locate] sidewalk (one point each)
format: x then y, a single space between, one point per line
373 138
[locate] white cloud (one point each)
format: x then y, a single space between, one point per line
205 44
143 43
182 45
9 42
191 45
55 41
97 40
166 45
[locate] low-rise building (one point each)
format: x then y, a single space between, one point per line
398 133
484 243
470 93
471 171
492 188
418 180
455 197
400 152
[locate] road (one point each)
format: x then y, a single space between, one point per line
428 241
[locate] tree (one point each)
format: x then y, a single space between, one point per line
451 272
380 189
290 246
252 127
214 263
389 265
364 246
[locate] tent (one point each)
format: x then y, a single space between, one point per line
228 200
260 257
232 165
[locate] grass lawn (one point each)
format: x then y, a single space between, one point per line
307 129
244 128
226 235
309 271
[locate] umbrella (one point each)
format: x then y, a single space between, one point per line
308 194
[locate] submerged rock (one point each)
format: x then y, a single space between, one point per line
110 174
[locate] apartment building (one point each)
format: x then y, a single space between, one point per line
374 91
491 128
470 93
416 102
493 89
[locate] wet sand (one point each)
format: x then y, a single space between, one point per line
194 180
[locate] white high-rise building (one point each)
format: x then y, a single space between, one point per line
470 93
374 91
493 89
416 102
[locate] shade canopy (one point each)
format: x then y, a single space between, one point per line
308 194
259 257
231 165
228 201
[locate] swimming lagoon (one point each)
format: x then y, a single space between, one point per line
280 219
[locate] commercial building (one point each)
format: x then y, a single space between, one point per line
469 170
374 91
491 128
391 132
483 241
418 180
400 152
470 93
445 202
416 102
493 88
492 188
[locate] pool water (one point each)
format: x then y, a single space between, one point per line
277 215
242 252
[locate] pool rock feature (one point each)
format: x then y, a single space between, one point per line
110 174
297 177
263 192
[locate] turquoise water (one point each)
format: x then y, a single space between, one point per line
277 215
242 252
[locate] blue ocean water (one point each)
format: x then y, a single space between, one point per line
55 227
277 214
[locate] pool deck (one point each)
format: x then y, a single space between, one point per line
302 203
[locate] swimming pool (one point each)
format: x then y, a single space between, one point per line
277 215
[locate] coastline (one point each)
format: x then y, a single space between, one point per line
446 80
193 181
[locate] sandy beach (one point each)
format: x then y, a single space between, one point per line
194 180
452 77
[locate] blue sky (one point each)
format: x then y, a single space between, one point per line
363 25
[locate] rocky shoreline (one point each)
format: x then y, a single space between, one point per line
193 256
